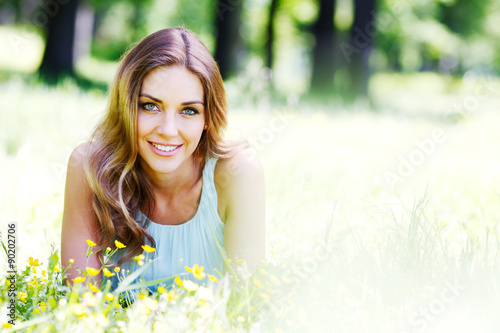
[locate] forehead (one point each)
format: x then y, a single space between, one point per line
172 81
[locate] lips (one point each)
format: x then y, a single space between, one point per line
164 148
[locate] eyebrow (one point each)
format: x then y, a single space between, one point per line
159 100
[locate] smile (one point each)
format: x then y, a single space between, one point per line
164 148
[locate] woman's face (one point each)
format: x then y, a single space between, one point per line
170 119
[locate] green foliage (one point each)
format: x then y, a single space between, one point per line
464 17
446 36
45 302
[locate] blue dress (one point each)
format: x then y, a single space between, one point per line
197 241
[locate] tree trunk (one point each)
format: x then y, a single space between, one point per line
323 59
59 56
8 12
228 40
362 33
271 33
84 26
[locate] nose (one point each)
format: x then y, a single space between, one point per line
167 126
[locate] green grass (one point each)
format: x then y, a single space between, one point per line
351 251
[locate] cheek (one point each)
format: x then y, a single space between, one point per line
142 127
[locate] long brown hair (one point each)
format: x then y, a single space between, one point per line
120 186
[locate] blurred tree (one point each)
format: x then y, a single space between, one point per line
346 56
323 65
59 55
362 33
273 6
9 11
228 39
464 16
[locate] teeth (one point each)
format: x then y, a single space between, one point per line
165 148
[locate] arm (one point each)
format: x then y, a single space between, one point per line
79 221
243 196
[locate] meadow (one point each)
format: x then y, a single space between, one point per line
379 218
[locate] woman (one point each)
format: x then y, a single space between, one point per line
157 172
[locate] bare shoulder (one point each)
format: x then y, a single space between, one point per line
79 221
77 157
242 165
236 179
77 186
241 194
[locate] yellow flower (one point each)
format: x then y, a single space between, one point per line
91 243
116 269
92 271
34 263
93 288
6 325
213 278
107 273
77 309
142 309
148 248
42 308
79 279
108 249
239 261
101 320
178 281
190 285
140 259
56 268
119 245
44 274
257 282
34 282
161 289
172 296
197 271
34 270
109 297
89 299
151 304
71 261
22 296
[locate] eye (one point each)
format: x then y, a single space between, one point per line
149 107
190 111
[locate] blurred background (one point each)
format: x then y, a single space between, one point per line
327 47
376 122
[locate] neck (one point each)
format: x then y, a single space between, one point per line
166 187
